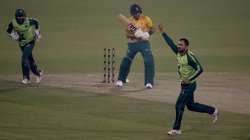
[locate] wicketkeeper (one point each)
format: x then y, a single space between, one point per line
138 41
189 69
26 32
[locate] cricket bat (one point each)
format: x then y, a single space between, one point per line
124 20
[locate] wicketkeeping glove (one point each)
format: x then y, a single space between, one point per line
14 36
38 36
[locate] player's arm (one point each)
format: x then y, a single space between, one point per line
168 40
11 33
193 62
151 30
145 35
129 34
35 23
150 25
10 28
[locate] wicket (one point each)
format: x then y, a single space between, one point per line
109 65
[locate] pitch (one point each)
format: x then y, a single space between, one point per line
71 103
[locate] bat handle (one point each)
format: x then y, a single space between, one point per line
131 27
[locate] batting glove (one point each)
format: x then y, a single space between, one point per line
14 36
139 33
145 36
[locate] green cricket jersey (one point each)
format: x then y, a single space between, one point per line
189 67
25 30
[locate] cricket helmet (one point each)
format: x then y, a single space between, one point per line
20 16
135 9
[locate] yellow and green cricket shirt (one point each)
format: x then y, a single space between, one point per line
25 31
144 22
189 67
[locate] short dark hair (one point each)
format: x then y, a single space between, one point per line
185 41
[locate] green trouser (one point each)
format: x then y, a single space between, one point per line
186 98
145 50
28 62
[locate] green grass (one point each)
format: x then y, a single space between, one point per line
53 113
75 33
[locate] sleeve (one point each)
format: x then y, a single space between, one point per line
193 62
170 42
149 22
150 25
34 22
10 28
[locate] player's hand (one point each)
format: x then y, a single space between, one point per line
185 82
38 36
131 36
145 36
161 28
139 33
14 36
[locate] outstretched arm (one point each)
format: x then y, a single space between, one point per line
168 40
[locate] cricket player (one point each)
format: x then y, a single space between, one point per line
26 32
138 41
189 69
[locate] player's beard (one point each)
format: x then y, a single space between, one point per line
180 50
20 20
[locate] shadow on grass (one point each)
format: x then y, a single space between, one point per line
9 86
120 90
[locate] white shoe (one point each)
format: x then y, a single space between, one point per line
26 81
215 115
174 132
39 78
41 73
149 86
119 83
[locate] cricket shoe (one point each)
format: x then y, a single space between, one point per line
39 78
215 115
26 81
119 83
149 86
174 132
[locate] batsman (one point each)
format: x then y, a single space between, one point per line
26 32
189 69
138 34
